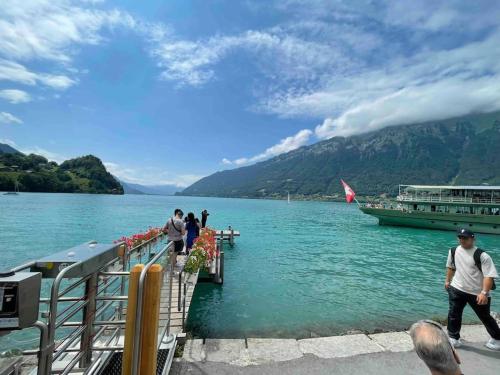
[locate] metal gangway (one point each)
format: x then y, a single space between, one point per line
95 293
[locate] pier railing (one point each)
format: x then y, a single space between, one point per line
82 320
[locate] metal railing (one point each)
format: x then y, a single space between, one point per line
437 199
85 317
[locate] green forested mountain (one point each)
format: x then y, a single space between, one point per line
34 173
457 151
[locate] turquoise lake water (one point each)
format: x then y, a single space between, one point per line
298 269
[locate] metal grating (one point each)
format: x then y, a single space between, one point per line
114 366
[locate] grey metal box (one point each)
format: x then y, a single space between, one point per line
90 257
19 300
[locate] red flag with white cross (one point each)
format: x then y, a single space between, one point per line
350 195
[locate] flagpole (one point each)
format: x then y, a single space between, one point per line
359 205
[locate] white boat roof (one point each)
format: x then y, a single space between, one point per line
452 187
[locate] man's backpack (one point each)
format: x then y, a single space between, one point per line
477 261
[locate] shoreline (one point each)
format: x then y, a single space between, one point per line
340 198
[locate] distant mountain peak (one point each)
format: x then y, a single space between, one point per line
8 149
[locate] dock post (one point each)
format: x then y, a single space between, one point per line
88 316
231 236
128 348
219 263
221 278
150 317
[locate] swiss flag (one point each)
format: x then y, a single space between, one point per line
349 193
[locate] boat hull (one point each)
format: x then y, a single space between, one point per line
433 220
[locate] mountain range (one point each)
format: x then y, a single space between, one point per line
463 150
131 188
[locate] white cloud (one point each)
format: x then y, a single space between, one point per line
49 29
7 118
278 54
151 175
52 30
432 85
285 145
14 72
15 96
433 101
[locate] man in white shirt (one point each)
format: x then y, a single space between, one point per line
469 278
175 230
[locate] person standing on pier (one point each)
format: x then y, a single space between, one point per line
175 230
193 231
204 217
469 280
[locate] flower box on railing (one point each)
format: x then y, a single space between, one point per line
203 253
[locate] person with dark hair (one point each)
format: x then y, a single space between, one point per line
193 230
204 217
175 230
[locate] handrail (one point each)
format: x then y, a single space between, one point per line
108 292
147 242
138 314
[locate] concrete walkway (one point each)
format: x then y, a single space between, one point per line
384 353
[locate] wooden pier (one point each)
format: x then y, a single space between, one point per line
227 235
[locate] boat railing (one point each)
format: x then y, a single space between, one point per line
82 321
437 199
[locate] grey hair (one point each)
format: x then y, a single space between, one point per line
433 347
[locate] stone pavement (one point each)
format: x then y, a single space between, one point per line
383 353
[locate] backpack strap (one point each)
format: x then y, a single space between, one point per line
173 224
453 250
477 258
477 261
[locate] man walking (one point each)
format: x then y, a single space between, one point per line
175 230
469 278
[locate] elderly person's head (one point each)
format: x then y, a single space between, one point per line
433 347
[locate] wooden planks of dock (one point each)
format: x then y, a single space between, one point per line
176 317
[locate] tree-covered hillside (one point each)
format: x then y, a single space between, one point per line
34 173
464 150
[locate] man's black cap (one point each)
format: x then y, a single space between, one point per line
465 233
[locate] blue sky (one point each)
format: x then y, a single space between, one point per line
165 92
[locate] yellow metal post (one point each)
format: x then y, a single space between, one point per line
128 349
150 318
